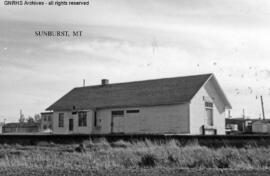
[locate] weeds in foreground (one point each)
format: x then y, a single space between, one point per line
148 160
122 154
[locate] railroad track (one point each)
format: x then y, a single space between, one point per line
207 140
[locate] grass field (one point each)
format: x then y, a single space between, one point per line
136 158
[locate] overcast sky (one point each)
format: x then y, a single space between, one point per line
134 40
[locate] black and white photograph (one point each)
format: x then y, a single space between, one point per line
134 87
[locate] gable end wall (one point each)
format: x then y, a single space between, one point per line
198 114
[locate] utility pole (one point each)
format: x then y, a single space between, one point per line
243 113
83 82
262 108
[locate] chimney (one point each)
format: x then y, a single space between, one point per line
104 82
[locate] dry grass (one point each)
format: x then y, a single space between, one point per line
141 154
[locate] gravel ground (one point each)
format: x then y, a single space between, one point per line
23 171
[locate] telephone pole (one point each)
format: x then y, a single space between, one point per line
262 108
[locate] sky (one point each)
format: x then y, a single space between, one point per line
126 40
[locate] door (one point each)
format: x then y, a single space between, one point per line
118 122
209 117
209 113
70 127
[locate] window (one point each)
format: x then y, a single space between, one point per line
49 118
50 127
209 113
208 105
61 120
82 119
133 111
117 113
44 127
45 118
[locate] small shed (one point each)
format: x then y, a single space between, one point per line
261 126
20 128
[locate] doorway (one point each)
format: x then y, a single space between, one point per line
209 114
118 122
70 127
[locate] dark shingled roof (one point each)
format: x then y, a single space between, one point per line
131 94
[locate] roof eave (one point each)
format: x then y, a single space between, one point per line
122 106
227 103
210 75
50 108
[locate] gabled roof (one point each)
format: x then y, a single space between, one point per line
131 94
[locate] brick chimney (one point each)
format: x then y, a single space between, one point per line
104 82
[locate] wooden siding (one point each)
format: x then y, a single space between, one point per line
261 127
76 129
155 119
